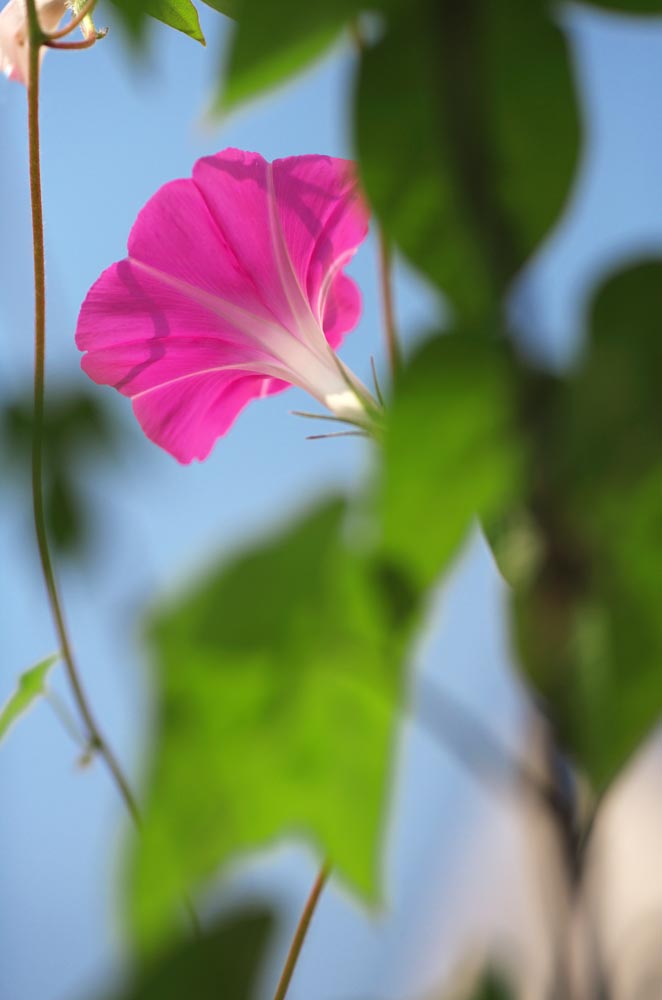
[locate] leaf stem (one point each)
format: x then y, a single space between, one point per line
96 739
301 932
84 43
462 86
480 752
390 331
77 19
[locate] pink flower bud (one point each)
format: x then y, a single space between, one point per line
14 40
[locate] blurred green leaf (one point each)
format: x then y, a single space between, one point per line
275 40
64 513
280 676
76 427
227 7
468 136
492 988
629 6
31 685
225 964
179 14
451 452
590 626
74 420
614 401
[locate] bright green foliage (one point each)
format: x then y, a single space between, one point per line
179 14
590 624
226 963
279 676
31 685
467 133
451 451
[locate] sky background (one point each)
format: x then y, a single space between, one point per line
113 132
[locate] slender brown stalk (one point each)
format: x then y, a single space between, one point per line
301 932
390 331
84 43
96 740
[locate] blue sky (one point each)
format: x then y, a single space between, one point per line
112 133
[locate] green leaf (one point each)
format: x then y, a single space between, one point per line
466 166
77 428
227 7
467 986
280 676
492 988
31 685
589 624
226 963
179 14
629 6
275 40
451 451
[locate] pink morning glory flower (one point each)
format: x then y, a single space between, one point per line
233 289
14 46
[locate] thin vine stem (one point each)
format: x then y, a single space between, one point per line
84 43
301 932
77 19
384 250
97 742
390 330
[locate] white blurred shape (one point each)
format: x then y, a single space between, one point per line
621 913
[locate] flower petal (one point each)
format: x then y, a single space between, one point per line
324 220
177 234
139 331
188 415
306 221
235 188
168 352
341 309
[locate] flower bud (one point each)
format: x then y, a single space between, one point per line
14 34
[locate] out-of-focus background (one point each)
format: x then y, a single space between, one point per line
113 131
